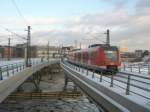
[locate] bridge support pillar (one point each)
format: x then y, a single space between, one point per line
66 83
20 88
75 88
36 80
67 80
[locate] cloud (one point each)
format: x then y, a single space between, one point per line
44 21
129 30
143 7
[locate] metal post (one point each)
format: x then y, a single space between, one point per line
108 37
87 72
139 68
1 76
148 69
48 49
20 67
131 68
128 85
13 69
7 71
23 66
17 67
93 74
101 75
112 79
28 52
8 49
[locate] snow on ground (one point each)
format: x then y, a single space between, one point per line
141 67
66 105
16 60
140 94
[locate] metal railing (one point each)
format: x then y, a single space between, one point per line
137 68
125 81
10 69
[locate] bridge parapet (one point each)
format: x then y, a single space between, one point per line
120 92
9 84
10 69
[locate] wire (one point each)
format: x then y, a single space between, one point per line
8 30
19 12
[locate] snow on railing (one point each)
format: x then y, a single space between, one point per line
130 83
10 69
137 68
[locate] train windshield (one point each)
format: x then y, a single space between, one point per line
111 54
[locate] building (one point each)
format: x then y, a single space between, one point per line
17 51
20 51
138 53
127 56
6 52
33 50
44 51
65 50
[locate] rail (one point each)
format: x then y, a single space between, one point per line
128 82
137 68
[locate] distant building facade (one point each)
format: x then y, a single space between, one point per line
136 56
127 56
138 53
19 51
44 51
6 52
65 50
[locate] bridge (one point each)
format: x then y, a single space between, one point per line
13 75
122 92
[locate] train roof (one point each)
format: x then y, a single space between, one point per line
100 45
94 47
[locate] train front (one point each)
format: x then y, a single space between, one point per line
112 58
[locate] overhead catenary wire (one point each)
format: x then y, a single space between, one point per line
8 30
19 12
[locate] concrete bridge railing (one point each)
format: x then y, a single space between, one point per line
11 83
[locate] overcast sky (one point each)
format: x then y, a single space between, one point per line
64 21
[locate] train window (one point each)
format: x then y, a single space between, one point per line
111 55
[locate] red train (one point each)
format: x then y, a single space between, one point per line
96 56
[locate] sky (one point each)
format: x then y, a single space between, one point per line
64 22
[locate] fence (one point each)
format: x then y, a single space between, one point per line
10 69
130 83
137 68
